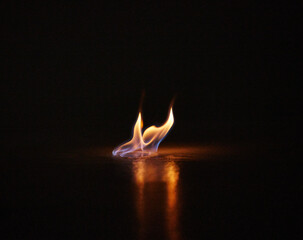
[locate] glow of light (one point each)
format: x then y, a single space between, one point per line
146 143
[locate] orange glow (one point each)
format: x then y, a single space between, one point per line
139 174
172 177
147 175
147 143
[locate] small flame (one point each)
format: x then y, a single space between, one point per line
148 142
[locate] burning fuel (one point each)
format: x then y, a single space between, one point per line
147 143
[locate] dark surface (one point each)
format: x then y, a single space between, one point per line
241 194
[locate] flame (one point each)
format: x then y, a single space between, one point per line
148 142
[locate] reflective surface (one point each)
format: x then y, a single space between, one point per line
183 192
157 185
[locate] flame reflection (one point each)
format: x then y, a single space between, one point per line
157 197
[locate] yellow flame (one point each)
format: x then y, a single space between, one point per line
149 141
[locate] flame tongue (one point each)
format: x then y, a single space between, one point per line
154 135
148 142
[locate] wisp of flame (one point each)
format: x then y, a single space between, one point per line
147 143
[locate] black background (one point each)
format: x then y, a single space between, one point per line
72 76
74 72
